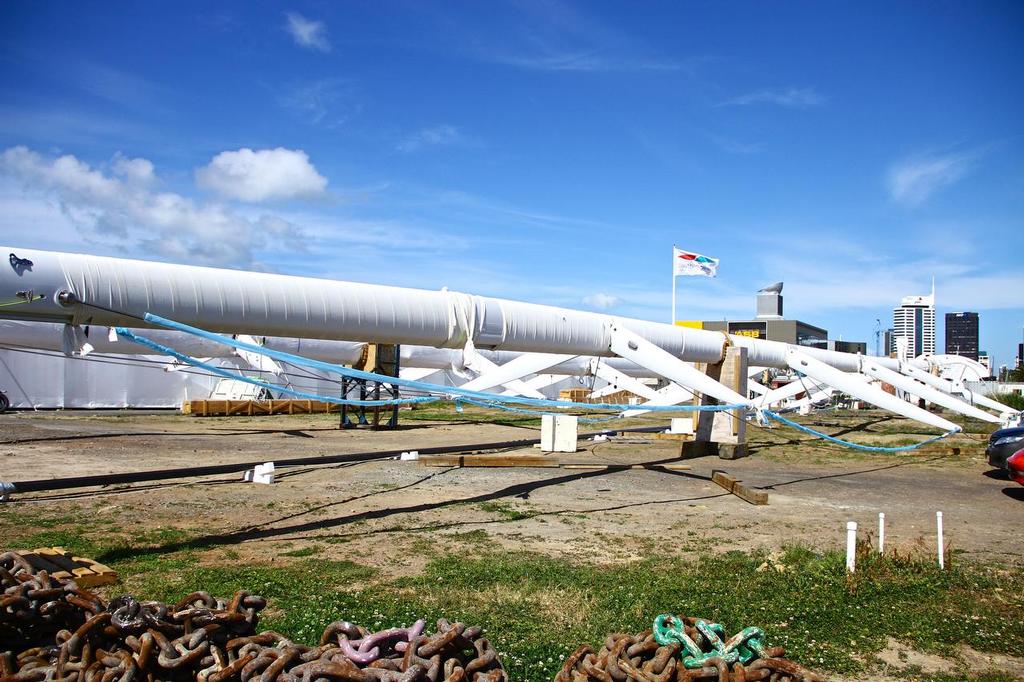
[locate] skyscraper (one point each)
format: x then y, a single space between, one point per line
914 321
962 334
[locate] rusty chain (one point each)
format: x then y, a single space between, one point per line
639 658
52 631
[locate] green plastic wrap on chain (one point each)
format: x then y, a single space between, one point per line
744 647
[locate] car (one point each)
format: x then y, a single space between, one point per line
1002 444
1015 466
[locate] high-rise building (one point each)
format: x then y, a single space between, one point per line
962 334
888 342
914 321
986 361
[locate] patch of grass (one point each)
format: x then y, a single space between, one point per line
477 536
472 415
312 550
505 510
537 609
73 541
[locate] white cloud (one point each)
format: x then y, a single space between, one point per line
913 180
431 137
261 175
307 32
601 301
138 171
796 98
121 210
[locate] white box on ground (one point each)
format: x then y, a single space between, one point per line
410 456
681 425
558 433
263 473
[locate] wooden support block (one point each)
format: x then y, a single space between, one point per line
678 437
730 484
723 479
758 497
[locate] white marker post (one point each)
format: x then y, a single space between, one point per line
942 551
881 532
851 545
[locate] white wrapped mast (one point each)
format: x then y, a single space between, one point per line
81 289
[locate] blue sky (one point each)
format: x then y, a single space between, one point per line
544 151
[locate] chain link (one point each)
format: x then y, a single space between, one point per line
51 631
682 649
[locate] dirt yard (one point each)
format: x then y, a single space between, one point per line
396 517
351 510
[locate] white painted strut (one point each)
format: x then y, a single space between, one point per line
945 386
524 365
618 381
673 394
856 387
916 388
798 385
479 363
631 346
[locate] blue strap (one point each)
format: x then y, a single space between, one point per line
436 389
220 371
857 446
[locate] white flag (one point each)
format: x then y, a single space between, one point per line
688 263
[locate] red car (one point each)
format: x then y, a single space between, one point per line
1015 466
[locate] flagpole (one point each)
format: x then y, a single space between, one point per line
673 296
673 285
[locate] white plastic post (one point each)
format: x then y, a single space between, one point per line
942 552
881 532
851 545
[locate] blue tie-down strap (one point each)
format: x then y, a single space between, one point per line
437 390
220 371
857 446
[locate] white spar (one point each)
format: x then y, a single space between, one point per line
854 385
916 388
82 289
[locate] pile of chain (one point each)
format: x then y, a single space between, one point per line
52 631
681 649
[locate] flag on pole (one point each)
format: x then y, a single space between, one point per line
688 263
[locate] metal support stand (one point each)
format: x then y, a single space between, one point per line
378 359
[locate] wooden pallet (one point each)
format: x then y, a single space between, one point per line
60 563
251 408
